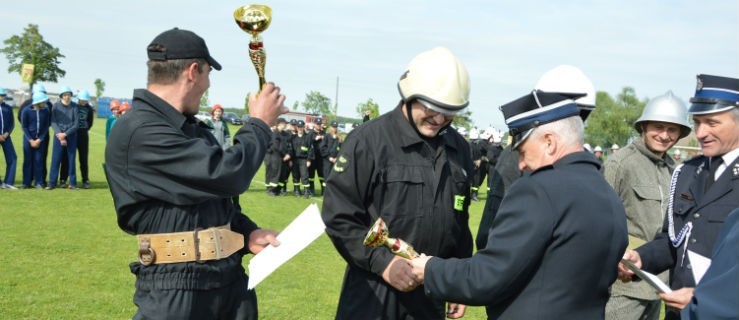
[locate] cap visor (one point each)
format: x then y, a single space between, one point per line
213 63
518 139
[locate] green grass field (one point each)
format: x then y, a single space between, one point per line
64 257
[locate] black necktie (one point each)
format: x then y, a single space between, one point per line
713 166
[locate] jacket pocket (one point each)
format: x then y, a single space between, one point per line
647 192
402 191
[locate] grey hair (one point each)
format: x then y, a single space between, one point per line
570 131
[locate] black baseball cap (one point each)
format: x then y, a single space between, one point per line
180 44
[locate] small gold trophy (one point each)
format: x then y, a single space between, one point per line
378 236
254 19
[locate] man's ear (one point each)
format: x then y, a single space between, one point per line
550 139
192 70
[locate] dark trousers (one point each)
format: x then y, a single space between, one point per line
284 174
365 295
64 170
11 160
492 203
317 166
45 154
295 171
230 302
302 164
57 153
83 150
479 175
33 165
272 163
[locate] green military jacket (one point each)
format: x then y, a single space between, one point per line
642 180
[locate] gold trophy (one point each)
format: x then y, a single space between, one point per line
378 236
254 19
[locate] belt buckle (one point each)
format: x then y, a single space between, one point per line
146 253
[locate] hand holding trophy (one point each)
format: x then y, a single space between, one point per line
378 236
254 19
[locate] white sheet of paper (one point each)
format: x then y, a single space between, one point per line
699 264
653 280
306 228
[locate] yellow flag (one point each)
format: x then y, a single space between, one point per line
27 72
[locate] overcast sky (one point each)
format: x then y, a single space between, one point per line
653 46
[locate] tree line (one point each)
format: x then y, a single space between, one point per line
611 122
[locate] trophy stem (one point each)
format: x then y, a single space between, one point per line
258 58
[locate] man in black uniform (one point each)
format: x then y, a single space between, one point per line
273 161
303 155
285 167
86 117
551 243
410 168
477 147
172 186
703 192
329 149
316 169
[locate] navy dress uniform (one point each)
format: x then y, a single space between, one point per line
555 242
717 297
699 200
563 78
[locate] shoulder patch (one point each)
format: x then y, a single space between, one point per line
340 164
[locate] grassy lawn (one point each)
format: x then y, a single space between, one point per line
64 257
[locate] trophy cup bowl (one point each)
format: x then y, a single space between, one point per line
377 236
254 19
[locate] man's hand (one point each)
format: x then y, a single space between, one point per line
624 273
455 310
678 299
261 238
307 163
399 274
61 136
332 159
268 104
2 138
477 163
286 158
35 143
419 264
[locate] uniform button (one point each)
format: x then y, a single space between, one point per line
693 240
697 215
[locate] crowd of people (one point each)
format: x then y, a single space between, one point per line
303 150
63 125
558 226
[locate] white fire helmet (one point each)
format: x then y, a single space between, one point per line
438 80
